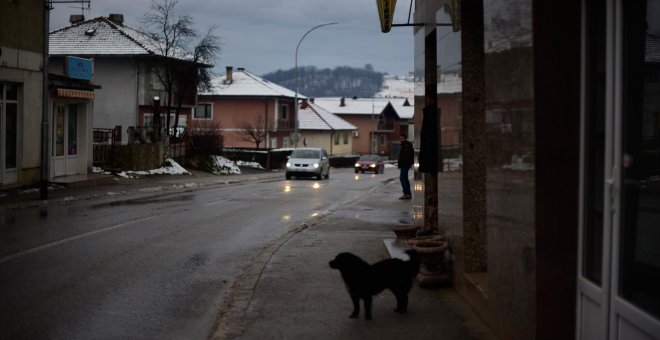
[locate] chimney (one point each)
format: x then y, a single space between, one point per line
76 18
342 101
118 18
311 100
241 69
303 104
229 75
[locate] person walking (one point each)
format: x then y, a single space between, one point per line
406 159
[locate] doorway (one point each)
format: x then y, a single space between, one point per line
8 132
65 140
619 257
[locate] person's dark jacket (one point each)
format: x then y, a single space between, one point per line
406 155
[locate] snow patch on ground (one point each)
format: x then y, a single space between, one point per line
171 168
223 166
249 164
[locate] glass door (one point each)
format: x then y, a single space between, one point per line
65 139
619 250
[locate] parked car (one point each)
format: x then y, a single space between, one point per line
308 162
370 163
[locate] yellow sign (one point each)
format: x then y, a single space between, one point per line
386 13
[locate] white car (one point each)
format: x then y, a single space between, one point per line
308 162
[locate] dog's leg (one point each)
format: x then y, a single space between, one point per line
401 302
367 307
356 306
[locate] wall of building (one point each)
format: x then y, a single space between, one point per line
116 100
229 113
364 124
29 120
22 25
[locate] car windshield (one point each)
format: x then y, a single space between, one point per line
370 158
314 154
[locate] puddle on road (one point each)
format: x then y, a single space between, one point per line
143 201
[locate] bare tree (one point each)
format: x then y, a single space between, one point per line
255 130
206 137
187 53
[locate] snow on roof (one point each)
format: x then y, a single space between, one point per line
314 117
247 84
102 36
366 106
403 111
359 106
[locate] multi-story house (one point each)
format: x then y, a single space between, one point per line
320 128
240 100
379 121
127 64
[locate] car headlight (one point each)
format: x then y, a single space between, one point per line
357 165
316 165
288 165
372 165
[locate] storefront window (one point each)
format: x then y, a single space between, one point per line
640 218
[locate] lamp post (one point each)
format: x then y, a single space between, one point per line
295 101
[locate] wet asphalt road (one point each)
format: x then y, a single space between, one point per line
152 267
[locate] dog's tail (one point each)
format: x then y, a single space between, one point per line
413 263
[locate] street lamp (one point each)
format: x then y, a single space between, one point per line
295 101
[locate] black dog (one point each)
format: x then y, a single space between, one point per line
364 281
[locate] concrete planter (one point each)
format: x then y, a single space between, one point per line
405 231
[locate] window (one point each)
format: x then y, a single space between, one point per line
382 140
284 112
204 111
345 137
336 138
156 83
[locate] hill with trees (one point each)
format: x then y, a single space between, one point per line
343 81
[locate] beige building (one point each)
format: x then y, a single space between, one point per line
21 57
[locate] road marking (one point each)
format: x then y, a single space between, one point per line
73 238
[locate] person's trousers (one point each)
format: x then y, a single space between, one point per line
405 182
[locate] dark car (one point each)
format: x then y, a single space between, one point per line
373 163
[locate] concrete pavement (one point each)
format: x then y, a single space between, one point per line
288 290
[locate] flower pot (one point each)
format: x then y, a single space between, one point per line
431 253
417 239
405 231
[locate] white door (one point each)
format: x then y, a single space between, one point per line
65 158
619 250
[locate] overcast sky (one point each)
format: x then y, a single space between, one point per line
262 35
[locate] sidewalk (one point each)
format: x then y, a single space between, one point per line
290 292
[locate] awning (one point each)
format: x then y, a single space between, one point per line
68 93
